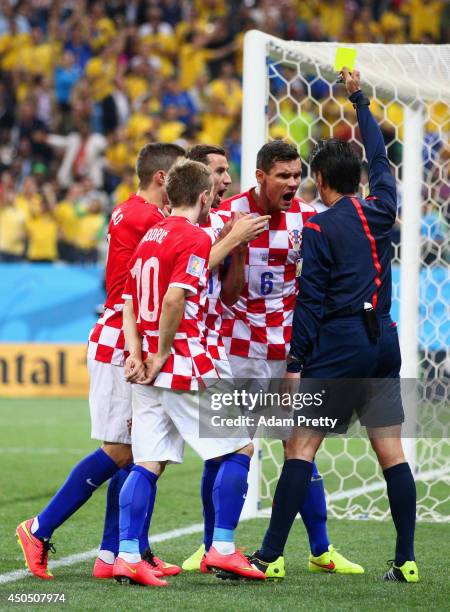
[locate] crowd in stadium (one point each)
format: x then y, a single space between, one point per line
84 84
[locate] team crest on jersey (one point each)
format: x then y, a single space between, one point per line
195 266
295 238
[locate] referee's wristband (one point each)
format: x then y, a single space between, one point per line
359 99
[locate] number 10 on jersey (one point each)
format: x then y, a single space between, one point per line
146 274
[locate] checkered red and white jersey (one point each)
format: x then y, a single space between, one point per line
129 222
213 303
106 340
173 253
259 325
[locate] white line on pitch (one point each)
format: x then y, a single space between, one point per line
90 554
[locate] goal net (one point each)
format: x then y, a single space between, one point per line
290 91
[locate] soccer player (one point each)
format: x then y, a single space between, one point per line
258 328
345 297
110 394
224 286
163 319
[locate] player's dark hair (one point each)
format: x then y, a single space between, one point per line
200 152
156 156
186 181
338 163
275 151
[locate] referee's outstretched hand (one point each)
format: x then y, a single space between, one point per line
351 80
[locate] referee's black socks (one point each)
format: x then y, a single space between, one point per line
289 495
401 490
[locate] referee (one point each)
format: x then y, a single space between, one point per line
343 330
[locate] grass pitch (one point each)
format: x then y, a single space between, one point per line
40 440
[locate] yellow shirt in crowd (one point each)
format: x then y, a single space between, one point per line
28 205
101 76
425 18
42 237
67 220
138 125
136 86
89 229
169 131
124 191
229 92
333 18
192 64
12 230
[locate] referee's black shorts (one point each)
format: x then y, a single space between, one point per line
354 375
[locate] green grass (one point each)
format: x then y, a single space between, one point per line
40 440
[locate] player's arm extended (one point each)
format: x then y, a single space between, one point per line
172 310
234 277
134 367
381 181
245 229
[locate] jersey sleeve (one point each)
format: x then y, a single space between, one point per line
191 265
313 283
127 290
127 293
381 181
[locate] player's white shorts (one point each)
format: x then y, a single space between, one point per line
223 368
266 372
164 419
266 375
109 402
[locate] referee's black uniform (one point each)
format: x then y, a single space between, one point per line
342 326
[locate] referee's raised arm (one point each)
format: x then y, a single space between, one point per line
381 181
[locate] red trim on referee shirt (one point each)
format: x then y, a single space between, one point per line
371 198
373 248
313 226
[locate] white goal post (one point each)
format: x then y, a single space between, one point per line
410 87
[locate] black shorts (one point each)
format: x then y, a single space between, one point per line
349 375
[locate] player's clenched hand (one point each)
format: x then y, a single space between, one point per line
134 369
247 228
153 366
351 80
289 385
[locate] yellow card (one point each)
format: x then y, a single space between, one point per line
345 56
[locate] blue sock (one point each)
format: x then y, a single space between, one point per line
230 488
143 538
82 481
401 490
210 470
110 540
314 514
295 477
134 500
